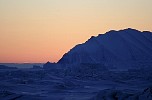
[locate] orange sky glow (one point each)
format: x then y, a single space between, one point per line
43 30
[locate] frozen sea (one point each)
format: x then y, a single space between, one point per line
62 84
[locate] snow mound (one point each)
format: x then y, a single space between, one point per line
128 48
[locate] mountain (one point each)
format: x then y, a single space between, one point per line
128 47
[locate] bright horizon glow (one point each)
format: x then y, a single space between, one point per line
38 31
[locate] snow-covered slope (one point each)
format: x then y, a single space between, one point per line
127 47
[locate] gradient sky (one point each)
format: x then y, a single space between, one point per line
43 30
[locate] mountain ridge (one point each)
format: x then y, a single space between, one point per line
128 45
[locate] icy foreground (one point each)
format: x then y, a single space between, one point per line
114 66
63 84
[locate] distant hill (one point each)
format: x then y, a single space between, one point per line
22 65
6 67
128 47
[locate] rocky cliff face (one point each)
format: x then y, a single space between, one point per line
124 47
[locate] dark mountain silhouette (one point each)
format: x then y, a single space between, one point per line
127 47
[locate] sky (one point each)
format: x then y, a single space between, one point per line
43 30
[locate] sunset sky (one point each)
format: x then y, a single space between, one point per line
43 30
